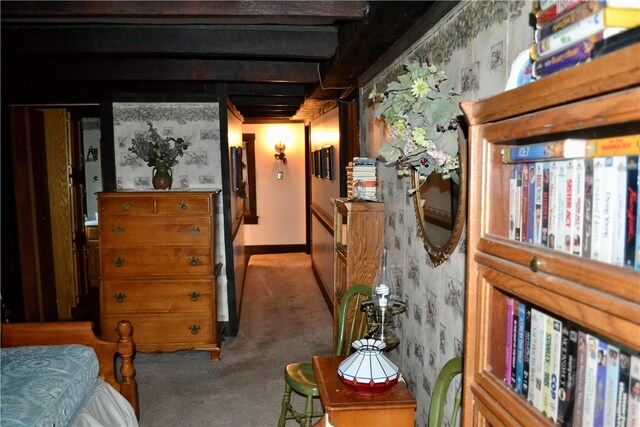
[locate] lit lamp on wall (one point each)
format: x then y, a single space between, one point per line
280 155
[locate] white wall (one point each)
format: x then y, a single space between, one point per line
475 45
280 202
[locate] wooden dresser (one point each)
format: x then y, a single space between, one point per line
157 263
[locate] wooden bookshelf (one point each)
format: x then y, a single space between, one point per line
598 98
358 234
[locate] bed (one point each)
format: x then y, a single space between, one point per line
60 373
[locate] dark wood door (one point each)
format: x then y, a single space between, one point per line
32 213
50 210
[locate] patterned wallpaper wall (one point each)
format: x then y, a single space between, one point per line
196 123
475 45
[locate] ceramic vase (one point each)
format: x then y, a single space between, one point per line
368 371
162 178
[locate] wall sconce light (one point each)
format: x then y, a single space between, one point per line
280 155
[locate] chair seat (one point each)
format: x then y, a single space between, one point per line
301 378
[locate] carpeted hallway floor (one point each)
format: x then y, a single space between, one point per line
284 319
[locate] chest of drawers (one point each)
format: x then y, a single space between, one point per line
157 263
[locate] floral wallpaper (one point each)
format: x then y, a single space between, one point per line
475 45
196 123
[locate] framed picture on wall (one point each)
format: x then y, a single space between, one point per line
236 170
323 163
327 158
316 164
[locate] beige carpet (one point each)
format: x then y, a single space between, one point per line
284 319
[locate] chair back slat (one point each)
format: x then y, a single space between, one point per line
449 371
352 321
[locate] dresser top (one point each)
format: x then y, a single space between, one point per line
160 192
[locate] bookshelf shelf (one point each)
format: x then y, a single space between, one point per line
600 98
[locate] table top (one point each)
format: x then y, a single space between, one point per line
336 396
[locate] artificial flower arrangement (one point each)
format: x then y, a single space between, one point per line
157 151
422 120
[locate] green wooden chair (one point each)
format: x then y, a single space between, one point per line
436 408
299 377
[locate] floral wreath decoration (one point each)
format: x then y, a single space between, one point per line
422 120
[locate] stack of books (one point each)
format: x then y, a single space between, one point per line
572 375
578 196
566 30
361 173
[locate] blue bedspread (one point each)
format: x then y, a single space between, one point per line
45 385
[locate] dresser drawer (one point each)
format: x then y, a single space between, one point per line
162 329
162 296
183 205
177 230
125 205
156 260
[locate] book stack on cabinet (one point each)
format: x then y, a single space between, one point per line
566 31
361 173
539 319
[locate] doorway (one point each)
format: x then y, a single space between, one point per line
47 169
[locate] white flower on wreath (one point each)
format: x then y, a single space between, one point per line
422 120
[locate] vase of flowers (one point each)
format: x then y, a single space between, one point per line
422 120
160 154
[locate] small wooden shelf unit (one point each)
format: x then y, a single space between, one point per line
358 232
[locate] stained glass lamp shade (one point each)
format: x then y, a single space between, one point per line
368 371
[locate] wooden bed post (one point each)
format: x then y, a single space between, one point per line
126 349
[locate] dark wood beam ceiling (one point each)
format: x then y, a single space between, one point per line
273 58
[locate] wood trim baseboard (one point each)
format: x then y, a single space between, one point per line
323 288
272 249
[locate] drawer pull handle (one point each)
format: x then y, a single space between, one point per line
120 297
118 262
194 329
195 296
117 230
184 206
193 260
126 206
194 229
534 265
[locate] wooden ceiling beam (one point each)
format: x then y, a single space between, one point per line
358 49
259 41
267 89
160 69
251 101
324 12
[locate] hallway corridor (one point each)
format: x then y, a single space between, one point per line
284 319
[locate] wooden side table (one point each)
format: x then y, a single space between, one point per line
348 409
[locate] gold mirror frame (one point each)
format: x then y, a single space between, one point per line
439 254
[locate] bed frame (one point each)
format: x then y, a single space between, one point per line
62 333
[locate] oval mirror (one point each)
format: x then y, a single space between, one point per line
440 206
